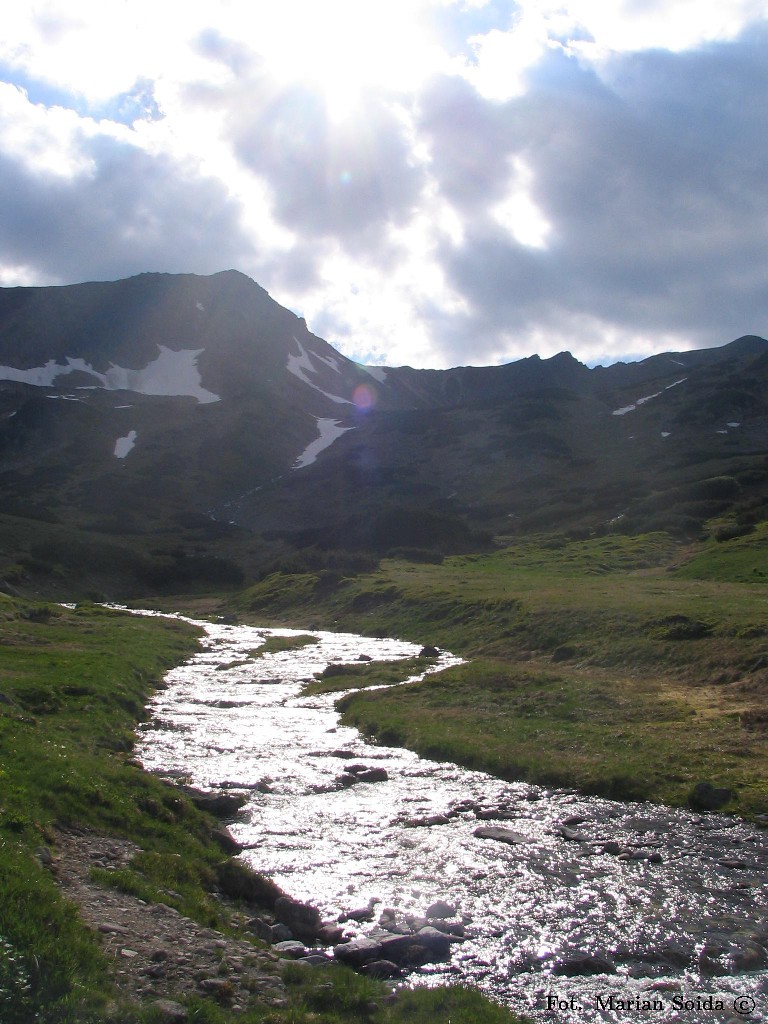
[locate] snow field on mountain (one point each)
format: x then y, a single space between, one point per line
172 373
330 431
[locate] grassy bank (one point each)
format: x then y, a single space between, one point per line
627 666
73 685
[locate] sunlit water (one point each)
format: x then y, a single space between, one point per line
687 936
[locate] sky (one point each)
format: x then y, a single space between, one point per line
428 182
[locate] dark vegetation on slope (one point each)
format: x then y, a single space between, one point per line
435 463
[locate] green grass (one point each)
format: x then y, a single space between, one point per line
336 678
624 738
740 560
73 686
340 998
629 666
278 644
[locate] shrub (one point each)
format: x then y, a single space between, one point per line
237 880
730 531
431 556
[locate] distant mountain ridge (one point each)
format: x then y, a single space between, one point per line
131 406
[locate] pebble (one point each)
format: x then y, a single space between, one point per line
170 1012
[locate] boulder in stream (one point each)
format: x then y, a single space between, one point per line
494 814
440 909
501 835
572 834
422 947
359 914
363 773
580 963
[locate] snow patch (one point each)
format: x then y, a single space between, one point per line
330 430
666 433
200 306
297 365
624 410
124 444
641 401
733 424
328 360
378 373
171 373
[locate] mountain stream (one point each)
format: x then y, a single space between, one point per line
589 910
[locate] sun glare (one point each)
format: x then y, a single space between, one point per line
343 47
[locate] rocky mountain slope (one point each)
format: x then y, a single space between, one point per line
172 428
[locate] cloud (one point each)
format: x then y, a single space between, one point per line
450 181
469 140
651 176
597 28
104 207
326 177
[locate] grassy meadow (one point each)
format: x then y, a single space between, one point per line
632 667
626 666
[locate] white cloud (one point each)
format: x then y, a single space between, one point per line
518 213
626 25
502 58
534 176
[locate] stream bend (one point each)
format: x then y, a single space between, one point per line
596 911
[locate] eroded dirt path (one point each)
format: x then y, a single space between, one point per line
159 954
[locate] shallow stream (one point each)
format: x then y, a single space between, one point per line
667 906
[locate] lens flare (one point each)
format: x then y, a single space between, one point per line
364 397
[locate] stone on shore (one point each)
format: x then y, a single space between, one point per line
292 948
170 1012
358 951
220 805
302 918
706 797
382 969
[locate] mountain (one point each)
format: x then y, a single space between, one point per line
174 430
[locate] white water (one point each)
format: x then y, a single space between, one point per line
684 934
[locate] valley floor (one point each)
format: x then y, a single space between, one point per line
615 666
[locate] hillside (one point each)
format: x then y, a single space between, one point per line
181 432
